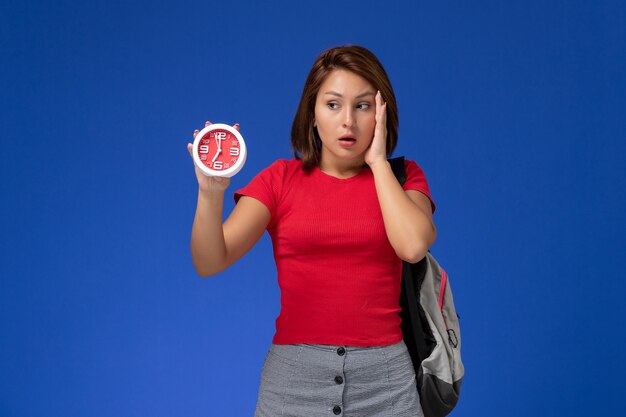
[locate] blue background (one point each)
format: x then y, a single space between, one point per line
515 111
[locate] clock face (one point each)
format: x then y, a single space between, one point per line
219 150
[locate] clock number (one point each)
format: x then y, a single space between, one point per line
217 165
234 151
203 149
220 135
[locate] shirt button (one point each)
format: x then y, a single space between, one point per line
339 379
341 351
337 410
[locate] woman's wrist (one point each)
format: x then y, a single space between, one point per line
378 163
211 193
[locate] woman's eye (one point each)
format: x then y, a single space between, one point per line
364 106
333 106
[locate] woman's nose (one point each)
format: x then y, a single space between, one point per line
348 118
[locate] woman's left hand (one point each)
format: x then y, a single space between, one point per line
377 151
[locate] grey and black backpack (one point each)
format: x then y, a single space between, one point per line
430 327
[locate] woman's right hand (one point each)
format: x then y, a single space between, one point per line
208 183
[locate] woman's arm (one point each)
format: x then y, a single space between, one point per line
407 215
214 247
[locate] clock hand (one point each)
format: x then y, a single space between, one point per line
219 150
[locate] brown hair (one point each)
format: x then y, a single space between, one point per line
359 60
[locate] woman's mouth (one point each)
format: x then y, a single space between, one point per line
347 141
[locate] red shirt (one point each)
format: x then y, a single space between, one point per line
338 274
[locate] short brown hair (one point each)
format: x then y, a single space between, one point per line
359 60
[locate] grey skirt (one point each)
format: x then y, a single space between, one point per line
322 380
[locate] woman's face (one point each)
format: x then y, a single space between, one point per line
345 111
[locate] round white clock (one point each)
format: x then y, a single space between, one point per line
219 150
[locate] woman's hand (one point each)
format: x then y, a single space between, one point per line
377 151
208 183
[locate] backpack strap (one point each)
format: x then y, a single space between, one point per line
412 278
397 165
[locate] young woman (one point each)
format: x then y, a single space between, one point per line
340 225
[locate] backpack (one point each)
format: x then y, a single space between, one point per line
430 328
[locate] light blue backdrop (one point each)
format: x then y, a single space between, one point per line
515 111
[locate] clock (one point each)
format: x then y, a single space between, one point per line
219 150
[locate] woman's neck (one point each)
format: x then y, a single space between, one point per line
342 169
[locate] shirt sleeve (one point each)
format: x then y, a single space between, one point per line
416 180
266 187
